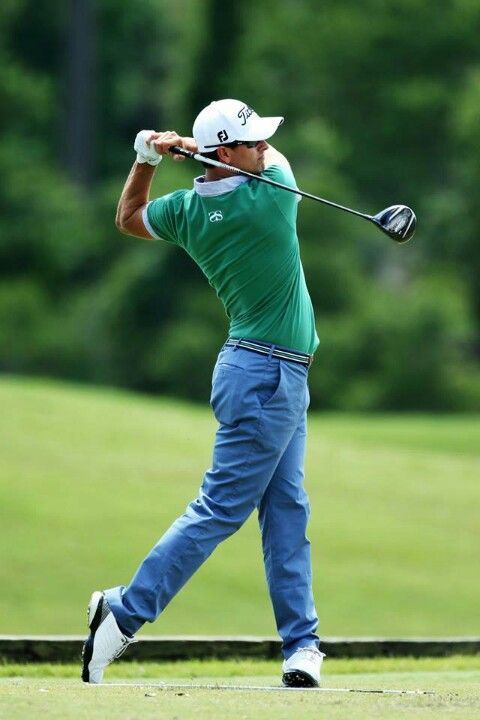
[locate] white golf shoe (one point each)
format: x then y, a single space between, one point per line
105 642
302 669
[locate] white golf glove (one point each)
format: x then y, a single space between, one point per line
145 152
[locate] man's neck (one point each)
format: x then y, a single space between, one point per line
212 174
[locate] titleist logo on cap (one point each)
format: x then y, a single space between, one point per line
244 113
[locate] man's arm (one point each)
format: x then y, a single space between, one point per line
134 197
273 157
136 191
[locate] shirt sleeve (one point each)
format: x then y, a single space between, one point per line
282 174
159 217
286 201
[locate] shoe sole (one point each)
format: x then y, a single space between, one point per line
94 615
297 678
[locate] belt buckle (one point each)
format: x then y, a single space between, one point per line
310 360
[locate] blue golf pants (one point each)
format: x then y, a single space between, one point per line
260 403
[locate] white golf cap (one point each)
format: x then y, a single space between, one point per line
224 121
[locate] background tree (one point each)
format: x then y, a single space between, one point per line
380 105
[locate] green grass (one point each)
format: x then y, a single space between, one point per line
90 478
242 668
56 692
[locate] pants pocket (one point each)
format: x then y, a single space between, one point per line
230 396
270 387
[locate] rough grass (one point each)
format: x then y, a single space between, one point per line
90 478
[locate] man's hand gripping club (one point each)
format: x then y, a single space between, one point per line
150 146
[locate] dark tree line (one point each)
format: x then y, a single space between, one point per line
381 105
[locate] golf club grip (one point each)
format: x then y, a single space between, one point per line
176 150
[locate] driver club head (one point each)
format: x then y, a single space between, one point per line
397 221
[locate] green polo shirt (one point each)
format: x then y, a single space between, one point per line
242 234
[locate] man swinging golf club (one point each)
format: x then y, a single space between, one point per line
242 234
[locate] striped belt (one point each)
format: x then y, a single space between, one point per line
273 350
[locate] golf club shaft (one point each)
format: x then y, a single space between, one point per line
215 163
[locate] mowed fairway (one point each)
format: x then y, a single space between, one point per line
150 692
91 477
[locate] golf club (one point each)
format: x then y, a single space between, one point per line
262 688
397 221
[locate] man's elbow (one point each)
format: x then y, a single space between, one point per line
120 218
132 225
124 220
121 225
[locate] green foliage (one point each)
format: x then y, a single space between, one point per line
394 348
182 355
381 105
23 307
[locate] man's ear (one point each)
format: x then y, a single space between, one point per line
224 154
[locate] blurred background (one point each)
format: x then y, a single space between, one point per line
381 103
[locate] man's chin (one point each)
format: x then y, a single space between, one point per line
259 168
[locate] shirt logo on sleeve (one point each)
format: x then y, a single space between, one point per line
215 216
